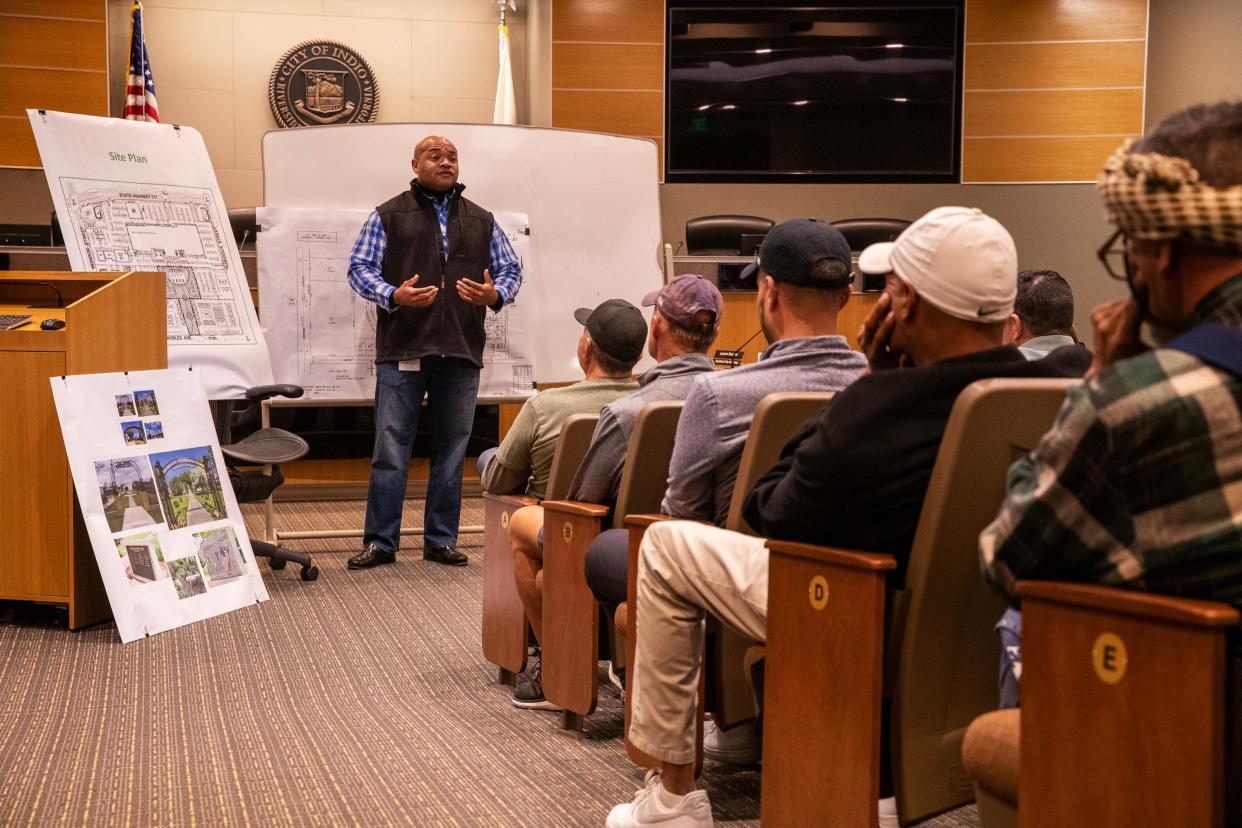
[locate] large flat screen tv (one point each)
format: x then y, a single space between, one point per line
845 93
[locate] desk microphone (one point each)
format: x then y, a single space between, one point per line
60 298
732 359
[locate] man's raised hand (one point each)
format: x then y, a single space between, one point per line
414 297
875 334
476 293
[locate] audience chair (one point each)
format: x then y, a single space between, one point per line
727 691
827 615
863 232
505 629
570 612
266 447
722 235
1124 715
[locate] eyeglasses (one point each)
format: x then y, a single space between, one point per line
1114 257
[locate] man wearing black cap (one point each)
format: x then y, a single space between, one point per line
613 337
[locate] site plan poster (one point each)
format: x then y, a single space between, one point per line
162 518
133 195
322 333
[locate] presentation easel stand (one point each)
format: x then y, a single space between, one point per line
112 322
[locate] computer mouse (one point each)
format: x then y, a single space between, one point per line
52 324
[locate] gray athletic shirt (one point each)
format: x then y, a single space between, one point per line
599 476
714 422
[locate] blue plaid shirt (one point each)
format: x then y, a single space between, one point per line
366 261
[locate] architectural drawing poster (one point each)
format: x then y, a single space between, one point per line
142 196
162 518
322 334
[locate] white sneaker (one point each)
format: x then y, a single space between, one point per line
739 746
695 811
888 812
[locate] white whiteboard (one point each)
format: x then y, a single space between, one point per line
593 202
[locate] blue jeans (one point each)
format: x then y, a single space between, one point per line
1009 631
485 457
451 387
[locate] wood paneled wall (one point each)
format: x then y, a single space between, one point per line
608 67
1051 87
53 55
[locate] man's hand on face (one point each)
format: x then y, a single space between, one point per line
414 297
875 335
1117 327
483 294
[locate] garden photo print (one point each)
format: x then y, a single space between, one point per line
163 521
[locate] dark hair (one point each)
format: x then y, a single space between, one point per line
1209 136
699 337
609 364
1045 303
833 285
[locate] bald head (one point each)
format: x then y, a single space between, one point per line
435 163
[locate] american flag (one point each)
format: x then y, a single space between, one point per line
139 85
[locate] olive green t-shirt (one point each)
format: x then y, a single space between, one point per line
524 459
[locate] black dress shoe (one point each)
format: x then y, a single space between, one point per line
371 556
449 555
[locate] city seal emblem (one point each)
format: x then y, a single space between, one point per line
322 82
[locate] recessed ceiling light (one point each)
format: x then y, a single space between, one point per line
901 100
803 102
705 107
894 45
763 51
728 106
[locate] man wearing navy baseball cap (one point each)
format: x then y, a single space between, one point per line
803 278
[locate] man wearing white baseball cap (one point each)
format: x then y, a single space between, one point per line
854 477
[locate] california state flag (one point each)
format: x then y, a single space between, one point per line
506 107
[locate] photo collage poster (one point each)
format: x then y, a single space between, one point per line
154 491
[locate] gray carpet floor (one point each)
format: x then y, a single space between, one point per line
359 699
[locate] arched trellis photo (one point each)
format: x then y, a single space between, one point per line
128 492
189 486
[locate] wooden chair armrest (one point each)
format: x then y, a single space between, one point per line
516 501
575 507
850 558
1131 602
643 521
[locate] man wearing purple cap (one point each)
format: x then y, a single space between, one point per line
684 323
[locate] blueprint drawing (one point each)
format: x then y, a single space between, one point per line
169 228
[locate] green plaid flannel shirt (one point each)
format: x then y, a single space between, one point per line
1139 482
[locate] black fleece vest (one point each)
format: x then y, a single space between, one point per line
449 326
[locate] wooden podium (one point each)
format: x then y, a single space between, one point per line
113 322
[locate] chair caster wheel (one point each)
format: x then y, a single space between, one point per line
276 563
310 573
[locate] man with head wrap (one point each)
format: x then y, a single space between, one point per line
1139 483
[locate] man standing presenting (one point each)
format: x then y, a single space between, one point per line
433 261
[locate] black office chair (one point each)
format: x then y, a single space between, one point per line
722 235
863 232
244 224
263 447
